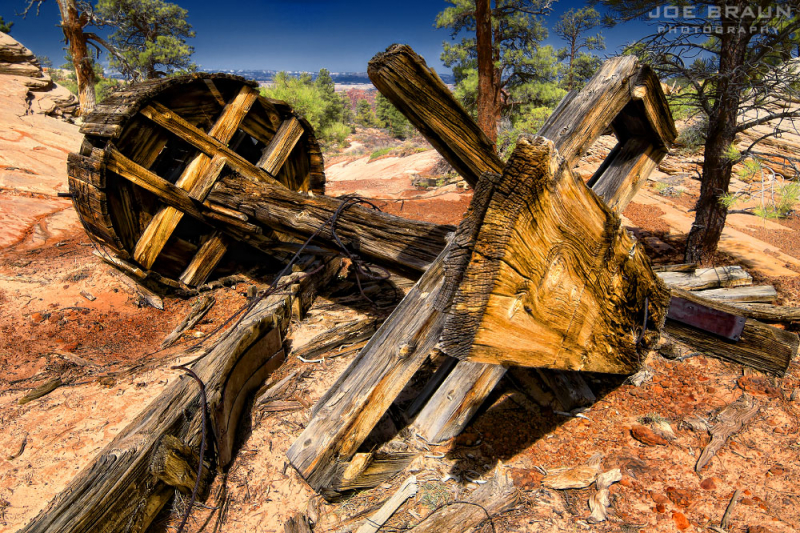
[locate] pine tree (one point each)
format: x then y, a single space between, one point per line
504 49
571 27
5 27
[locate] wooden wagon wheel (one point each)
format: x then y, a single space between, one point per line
152 153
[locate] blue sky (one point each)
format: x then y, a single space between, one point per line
294 34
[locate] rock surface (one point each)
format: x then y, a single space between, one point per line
19 65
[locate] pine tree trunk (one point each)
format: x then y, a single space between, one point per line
72 25
711 213
486 91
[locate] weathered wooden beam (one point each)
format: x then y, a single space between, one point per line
121 490
760 346
646 88
416 90
403 245
582 117
349 410
707 278
625 171
752 293
285 139
553 279
767 312
206 260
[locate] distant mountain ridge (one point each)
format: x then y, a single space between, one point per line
342 78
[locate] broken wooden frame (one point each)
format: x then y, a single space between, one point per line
624 95
152 153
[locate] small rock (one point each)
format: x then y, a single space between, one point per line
660 508
647 436
38 318
681 522
657 497
680 497
708 483
777 470
758 529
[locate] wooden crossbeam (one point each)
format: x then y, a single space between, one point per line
281 146
198 176
170 194
204 142
206 259
625 171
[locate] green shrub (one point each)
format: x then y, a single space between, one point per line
693 136
380 152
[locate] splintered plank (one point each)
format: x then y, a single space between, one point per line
282 144
125 485
206 259
707 278
416 90
553 281
198 176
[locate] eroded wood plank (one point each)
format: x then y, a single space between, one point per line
206 260
281 145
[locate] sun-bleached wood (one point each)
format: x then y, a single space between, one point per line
707 278
751 293
553 280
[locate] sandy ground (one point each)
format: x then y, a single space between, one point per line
46 262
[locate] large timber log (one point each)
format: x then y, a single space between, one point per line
399 244
136 474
